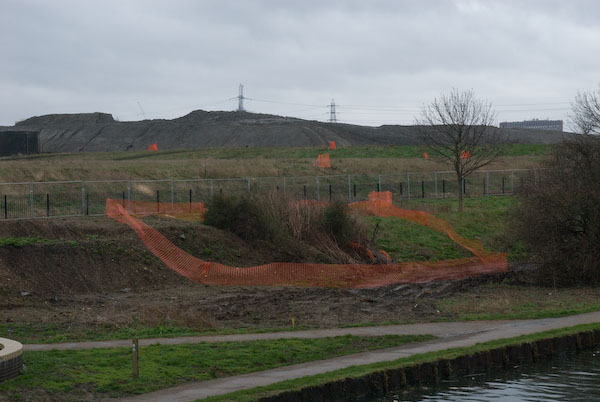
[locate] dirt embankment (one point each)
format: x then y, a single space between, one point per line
99 255
95 272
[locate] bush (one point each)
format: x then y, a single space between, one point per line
558 215
242 216
337 222
290 225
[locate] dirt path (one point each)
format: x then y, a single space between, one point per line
452 335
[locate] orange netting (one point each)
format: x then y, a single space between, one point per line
152 147
332 145
323 161
308 274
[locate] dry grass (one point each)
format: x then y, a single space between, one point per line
113 166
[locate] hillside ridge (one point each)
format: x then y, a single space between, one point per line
100 132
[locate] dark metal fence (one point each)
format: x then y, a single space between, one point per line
82 198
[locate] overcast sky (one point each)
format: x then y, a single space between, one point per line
380 60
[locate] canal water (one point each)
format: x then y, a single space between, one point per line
569 377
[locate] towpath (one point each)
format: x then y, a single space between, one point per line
450 335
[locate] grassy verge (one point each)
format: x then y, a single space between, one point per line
408 241
108 371
511 302
483 218
359 371
53 333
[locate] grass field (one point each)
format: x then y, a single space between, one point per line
483 218
108 371
240 162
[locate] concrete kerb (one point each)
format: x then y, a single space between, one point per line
11 358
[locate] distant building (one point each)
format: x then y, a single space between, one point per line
19 142
551 125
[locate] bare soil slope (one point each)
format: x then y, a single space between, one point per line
100 132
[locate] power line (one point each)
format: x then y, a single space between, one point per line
286 103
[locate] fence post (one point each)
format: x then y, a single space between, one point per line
422 188
135 355
502 184
512 181
129 195
318 190
349 188
82 198
47 205
31 200
435 184
464 186
330 192
400 190
354 187
443 188
248 185
157 200
5 208
87 203
172 193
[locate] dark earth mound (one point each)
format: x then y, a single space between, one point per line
98 132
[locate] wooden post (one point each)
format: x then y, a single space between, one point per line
135 349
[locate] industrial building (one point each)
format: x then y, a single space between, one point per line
19 142
551 125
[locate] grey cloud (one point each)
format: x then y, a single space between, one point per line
74 56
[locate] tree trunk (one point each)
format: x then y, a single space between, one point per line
460 193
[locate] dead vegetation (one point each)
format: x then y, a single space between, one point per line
112 166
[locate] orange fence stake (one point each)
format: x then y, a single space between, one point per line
323 161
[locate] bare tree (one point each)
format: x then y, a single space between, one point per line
585 112
457 129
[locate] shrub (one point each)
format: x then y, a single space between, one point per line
338 222
558 215
242 216
290 225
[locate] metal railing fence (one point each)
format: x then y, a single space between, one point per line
87 198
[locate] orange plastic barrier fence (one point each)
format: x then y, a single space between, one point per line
307 274
323 161
332 145
152 147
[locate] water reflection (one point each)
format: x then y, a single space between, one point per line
570 377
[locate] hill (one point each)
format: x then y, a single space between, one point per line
95 132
